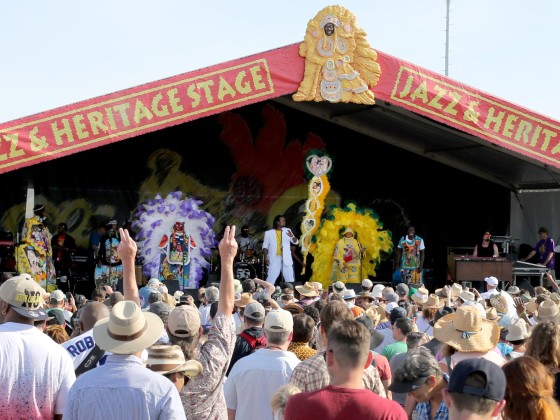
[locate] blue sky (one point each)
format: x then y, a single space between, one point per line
57 52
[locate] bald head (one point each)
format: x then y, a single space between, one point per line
91 313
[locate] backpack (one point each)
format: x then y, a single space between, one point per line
254 342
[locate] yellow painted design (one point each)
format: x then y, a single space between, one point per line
340 66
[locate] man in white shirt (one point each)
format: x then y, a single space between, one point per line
254 379
37 373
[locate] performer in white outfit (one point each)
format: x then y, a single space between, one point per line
276 251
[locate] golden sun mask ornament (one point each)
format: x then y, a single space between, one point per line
340 66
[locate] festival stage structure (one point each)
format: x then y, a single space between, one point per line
421 148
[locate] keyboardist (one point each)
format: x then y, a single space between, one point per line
486 247
544 249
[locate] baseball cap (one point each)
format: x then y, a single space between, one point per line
390 306
57 295
396 313
402 289
492 281
184 321
495 379
392 297
56 317
367 283
279 320
254 310
24 295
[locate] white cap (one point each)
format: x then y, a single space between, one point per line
492 281
390 306
367 283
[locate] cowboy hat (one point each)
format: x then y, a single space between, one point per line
456 288
374 315
421 295
246 298
166 359
517 330
307 289
442 292
465 330
367 295
127 329
500 303
492 314
382 314
547 310
433 302
513 290
467 296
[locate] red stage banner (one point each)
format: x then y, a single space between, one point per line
179 99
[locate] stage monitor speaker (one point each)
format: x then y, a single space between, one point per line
172 286
357 287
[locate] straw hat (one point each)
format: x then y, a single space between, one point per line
442 292
366 295
531 305
500 303
307 289
374 315
127 329
246 298
421 295
517 330
514 290
318 286
166 359
466 330
547 310
381 311
555 297
433 302
456 289
492 314
467 296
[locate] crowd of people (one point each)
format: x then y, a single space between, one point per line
250 350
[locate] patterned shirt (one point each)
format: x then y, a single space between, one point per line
302 350
203 395
312 374
423 411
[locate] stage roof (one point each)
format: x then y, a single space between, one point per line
418 110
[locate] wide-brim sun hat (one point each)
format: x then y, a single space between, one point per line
465 330
433 302
421 295
167 359
547 311
307 289
127 329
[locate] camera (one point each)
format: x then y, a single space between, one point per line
68 295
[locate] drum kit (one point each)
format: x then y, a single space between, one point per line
249 266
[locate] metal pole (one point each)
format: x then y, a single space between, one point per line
447 38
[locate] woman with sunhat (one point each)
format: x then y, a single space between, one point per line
429 309
466 334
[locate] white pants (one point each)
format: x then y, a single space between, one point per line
274 268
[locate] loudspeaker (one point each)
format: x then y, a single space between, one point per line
172 286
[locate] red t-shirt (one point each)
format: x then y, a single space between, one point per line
383 367
333 402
